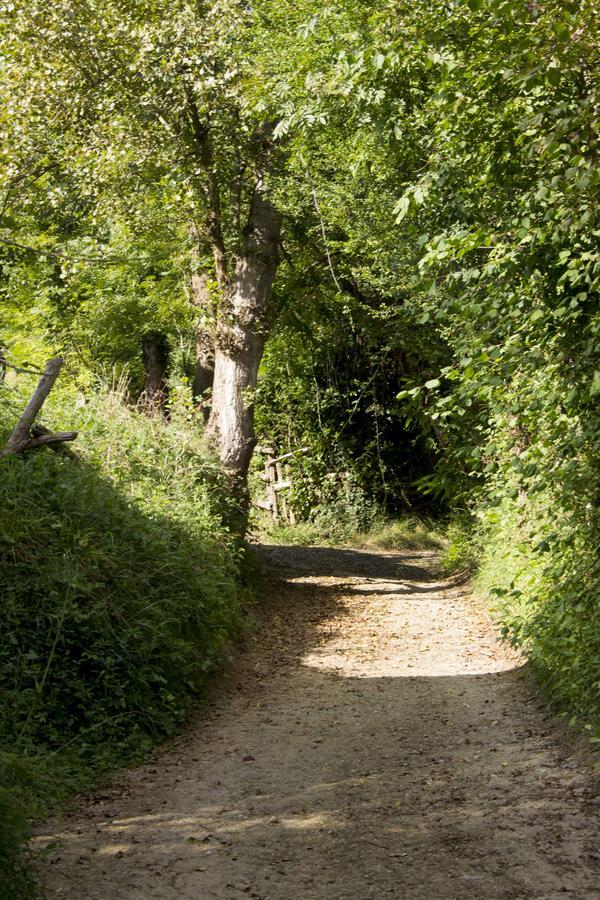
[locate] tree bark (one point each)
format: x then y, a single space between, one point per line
155 351
245 289
240 339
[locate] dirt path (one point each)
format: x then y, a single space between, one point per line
374 742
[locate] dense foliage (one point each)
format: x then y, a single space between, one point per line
433 333
506 216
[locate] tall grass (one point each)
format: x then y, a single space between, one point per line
408 532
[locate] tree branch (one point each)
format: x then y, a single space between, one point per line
214 229
56 437
27 436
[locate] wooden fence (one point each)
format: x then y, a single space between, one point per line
278 479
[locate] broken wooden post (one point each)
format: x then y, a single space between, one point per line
277 478
290 510
278 486
272 478
22 438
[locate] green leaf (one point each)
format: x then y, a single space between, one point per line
595 385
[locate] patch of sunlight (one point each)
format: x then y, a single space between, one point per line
113 849
308 821
124 826
118 828
383 587
350 663
136 820
41 840
329 580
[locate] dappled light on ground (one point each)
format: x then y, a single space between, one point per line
409 630
374 741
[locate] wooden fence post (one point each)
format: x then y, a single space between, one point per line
277 477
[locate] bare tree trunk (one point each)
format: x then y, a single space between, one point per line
204 366
155 351
245 289
240 341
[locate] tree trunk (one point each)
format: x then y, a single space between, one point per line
155 351
204 366
241 332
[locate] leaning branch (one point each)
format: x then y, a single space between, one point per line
317 207
55 254
47 440
28 436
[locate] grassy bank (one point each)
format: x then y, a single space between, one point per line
120 587
405 533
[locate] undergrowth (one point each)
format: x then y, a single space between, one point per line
408 532
461 552
120 587
539 574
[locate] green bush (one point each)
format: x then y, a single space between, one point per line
330 510
344 510
539 533
461 552
120 586
540 571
